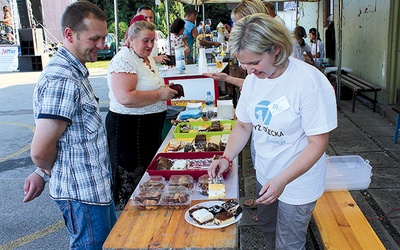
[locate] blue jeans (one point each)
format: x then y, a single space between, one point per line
88 225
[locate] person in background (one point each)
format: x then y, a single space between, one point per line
207 30
317 47
191 33
272 12
200 26
8 24
137 111
177 39
290 107
244 8
147 12
70 142
299 44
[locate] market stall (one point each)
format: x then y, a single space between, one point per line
171 225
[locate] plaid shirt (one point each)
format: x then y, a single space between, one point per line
82 169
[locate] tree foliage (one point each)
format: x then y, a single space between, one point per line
127 10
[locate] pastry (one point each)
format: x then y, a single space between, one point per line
179 165
202 216
224 141
174 145
226 127
163 163
223 218
215 126
204 128
216 191
215 209
181 181
232 207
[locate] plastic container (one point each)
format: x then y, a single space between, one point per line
180 60
202 184
202 63
209 105
147 199
155 181
176 198
181 181
349 172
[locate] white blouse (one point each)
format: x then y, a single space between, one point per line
126 61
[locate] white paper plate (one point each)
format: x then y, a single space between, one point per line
210 226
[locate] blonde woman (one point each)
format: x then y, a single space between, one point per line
290 107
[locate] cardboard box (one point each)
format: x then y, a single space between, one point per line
349 172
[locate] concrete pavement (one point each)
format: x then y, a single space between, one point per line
38 224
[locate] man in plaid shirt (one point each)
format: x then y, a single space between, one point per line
70 142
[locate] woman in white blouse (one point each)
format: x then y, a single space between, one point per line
137 109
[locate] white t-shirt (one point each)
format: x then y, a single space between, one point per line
279 139
279 20
298 51
127 61
318 47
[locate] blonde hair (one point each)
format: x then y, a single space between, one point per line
138 26
260 33
248 7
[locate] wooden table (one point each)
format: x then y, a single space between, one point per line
168 229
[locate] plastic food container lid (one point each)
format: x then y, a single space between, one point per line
181 181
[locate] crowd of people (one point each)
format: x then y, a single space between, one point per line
93 167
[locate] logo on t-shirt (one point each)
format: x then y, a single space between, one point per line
262 113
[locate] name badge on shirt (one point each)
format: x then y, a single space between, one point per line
279 106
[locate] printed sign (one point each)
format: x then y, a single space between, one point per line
9 58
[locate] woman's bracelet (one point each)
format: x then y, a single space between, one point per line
229 160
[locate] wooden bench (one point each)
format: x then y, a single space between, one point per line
341 223
358 86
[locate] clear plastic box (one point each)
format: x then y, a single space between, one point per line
155 181
181 181
349 172
176 198
147 199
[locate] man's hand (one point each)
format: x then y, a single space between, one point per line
33 187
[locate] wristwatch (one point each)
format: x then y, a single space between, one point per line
42 174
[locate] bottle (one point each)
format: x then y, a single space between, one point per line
209 105
203 68
180 60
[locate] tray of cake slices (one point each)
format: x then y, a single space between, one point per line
214 214
191 129
156 192
193 164
200 143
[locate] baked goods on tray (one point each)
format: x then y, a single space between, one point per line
219 215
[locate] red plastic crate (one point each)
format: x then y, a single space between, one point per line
181 155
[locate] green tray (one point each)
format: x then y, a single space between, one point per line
179 134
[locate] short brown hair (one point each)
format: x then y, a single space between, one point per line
76 12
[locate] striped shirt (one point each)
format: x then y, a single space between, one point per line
82 170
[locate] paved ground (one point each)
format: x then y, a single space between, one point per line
39 225
363 133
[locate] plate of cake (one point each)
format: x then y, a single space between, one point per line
214 214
